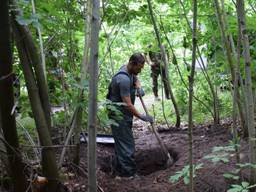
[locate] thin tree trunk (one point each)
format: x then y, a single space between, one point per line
191 92
110 52
7 102
39 74
77 128
72 127
37 66
163 53
48 156
237 53
248 83
84 76
230 41
253 8
115 34
40 40
93 84
85 62
165 64
162 101
216 117
239 79
227 49
175 62
3 153
208 79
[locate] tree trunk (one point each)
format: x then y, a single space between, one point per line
77 129
248 83
8 124
84 77
230 41
3 153
237 54
216 116
40 41
68 138
48 156
38 67
191 92
85 62
175 62
165 64
92 107
227 49
39 74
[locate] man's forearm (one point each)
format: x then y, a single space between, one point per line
130 106
133 110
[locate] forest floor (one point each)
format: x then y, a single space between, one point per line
151 162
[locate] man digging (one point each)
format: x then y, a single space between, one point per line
122 89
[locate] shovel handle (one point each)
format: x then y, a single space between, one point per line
165 150
143 105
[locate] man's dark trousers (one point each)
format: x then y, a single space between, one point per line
124 162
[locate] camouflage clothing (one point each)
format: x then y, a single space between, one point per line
157 68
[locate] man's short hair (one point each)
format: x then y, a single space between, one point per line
137 58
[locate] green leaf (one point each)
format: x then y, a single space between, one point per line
230 176
246 165
251 186
245 184
175 178
186 180
229 148
237 186
217 158
234 190
236 171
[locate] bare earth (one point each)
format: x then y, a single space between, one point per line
151 162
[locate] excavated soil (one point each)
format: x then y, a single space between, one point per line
152 163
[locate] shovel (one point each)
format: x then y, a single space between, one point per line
170 160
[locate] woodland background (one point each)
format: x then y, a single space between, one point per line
64 54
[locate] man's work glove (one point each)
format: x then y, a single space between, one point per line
140 92
147 118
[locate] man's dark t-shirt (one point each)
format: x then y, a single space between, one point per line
123 85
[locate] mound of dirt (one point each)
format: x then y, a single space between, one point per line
151 162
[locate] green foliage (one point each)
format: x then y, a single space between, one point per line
184 173
26 122
230 176
104 109
243 187
26 128
26 21
220 158
127 28
247 165
221 154
201 113
158 111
